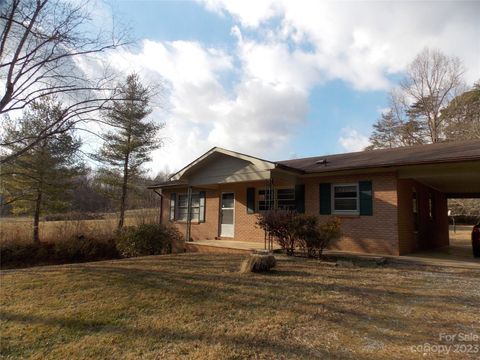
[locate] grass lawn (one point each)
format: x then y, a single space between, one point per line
197 306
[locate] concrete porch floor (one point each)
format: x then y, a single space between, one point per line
458 254
232 244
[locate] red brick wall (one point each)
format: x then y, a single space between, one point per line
366 234
388 231
199 231
245 224
406 230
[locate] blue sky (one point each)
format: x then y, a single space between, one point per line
286 78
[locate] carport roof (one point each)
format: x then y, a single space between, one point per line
414 155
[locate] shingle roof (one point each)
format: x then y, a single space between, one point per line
168 184
420 154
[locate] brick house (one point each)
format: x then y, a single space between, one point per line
391 201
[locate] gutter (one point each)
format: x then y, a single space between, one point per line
161 202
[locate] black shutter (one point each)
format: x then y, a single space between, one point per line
173 200
300 198
366 198
201 214
250 200
325 199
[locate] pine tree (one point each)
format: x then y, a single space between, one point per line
132 138
41 179
386 132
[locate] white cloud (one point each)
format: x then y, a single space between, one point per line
249 13
352 140
257 117
362 42
254 98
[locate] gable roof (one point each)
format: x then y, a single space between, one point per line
412 155
261 163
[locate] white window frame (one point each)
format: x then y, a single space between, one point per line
177 218
345 212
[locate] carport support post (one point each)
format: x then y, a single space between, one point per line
189 214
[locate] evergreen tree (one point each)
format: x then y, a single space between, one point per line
132 138
386 133
41 179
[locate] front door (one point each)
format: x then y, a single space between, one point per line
227 215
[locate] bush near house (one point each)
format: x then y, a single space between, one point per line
147 239
318 238
292 231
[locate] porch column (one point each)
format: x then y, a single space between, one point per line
189 214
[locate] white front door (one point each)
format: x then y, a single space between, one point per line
227 215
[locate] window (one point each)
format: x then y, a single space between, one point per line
182 208
286 199
265 200
345 198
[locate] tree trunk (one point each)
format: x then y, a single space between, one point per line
123 198
36 218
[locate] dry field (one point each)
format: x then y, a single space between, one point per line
19 229
197 306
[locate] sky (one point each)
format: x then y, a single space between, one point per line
281 79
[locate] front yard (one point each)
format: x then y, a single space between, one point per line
198 306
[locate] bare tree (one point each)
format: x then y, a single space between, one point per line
43 45
432 80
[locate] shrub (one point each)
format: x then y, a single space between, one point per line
293 230
315 240
84 249
147 239
66 251
288 228
15 254
258 263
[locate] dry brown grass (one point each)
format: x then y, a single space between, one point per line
197 306
19 229
462 235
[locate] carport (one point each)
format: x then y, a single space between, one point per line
423 213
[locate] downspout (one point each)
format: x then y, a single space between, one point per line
161 205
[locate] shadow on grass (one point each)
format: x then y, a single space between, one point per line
359 301
244 342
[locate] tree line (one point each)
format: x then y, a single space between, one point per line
49 99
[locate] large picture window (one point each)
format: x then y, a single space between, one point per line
345 198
